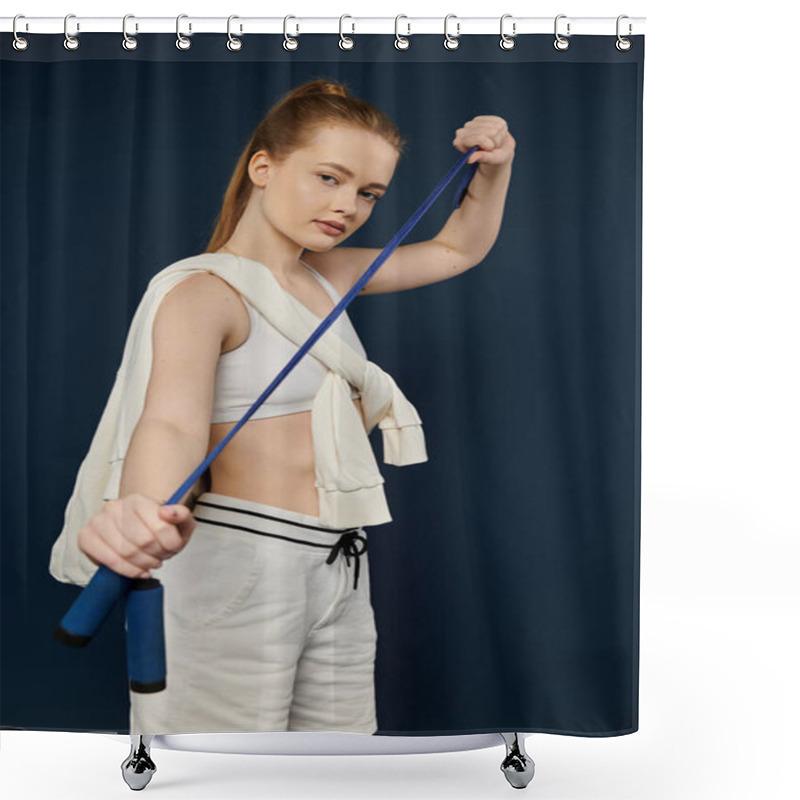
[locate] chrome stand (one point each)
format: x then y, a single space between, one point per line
138 768
517 766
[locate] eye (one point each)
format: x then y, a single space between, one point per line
374 197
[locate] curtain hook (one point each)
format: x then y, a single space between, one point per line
400 42
560 42
288 42
70 42
182 43
233 44
129 42
345 42
623 44
20 42
451 42
507 42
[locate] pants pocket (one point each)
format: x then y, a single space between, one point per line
211 577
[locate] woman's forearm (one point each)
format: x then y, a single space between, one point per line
159 459
473 227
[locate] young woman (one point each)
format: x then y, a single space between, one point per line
267 627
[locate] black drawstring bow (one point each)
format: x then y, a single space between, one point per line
348 546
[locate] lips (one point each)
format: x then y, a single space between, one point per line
331 228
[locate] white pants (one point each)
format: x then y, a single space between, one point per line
261 634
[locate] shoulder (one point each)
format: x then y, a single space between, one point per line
202 292
205 299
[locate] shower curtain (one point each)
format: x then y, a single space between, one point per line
505 588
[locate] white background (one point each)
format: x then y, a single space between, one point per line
720 447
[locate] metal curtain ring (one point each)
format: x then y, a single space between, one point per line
345 42
70 42
451 42
507 42
129 42
560 42
233 44
623 44
182 43
400 42
288 42
20 42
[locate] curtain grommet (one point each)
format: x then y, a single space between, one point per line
451 42
560 42
71 42
129 42
401 42
622 44
346 42
288 42
233 44
507 42
182 42
20 42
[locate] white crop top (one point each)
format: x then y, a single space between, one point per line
244 372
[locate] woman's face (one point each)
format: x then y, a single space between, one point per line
338 177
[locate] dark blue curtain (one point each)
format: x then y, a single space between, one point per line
506 588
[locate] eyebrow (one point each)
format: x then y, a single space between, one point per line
349 173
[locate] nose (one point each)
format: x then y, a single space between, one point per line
346 202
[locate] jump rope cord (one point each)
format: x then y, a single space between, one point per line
337 310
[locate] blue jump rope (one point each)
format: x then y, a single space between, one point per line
144 597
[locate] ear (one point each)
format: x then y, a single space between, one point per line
258 168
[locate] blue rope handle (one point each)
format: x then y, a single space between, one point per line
144 607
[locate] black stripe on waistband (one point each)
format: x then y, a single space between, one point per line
262 533
272 517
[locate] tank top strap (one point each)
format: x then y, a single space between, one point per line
326 284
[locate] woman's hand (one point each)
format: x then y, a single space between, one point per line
492 136
134 534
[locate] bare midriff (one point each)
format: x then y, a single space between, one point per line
269 461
